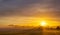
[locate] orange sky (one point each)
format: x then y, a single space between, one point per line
29 12
35 21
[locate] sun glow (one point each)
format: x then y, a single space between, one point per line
43 23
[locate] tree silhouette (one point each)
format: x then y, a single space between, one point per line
58 28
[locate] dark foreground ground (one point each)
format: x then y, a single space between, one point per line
34 31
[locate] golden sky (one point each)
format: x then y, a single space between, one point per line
29 12
28 21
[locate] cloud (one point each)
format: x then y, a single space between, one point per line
48 9
29 7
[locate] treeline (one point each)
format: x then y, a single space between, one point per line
53 28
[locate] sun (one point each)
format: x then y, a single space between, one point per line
43 23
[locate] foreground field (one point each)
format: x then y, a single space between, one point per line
34 31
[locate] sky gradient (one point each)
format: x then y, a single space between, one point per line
12 10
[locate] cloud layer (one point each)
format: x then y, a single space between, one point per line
48 9
29 7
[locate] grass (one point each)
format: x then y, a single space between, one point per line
34 31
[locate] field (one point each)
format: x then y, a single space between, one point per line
33 31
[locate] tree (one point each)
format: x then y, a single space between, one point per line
58 28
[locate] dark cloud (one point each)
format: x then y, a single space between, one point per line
29 7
